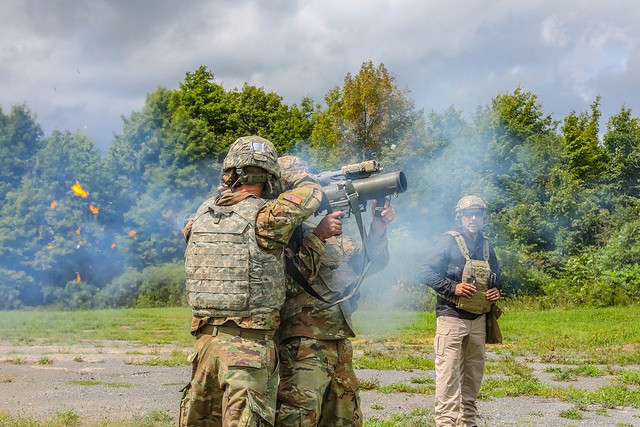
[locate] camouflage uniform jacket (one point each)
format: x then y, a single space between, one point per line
274 225
341 260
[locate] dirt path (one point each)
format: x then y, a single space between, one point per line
108 382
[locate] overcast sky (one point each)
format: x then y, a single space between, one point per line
82 64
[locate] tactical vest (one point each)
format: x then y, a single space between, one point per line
228 274
334 277
477 272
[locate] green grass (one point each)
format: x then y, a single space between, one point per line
571 414
591 336
70 418
572 374
176 358
146 326
629 377
506 366
593 342
393 360
402 387
420 417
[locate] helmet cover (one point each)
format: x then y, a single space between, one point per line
252 151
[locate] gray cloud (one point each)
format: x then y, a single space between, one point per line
81 64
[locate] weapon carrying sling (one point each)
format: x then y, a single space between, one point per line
352 288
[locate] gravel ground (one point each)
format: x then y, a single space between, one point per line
42 384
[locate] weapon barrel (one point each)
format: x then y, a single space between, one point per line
379 186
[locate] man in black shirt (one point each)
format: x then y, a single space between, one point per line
463 270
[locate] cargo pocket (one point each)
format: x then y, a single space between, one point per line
185 401
184 406
290 348
257 409
440 341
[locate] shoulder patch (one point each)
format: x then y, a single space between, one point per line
292 198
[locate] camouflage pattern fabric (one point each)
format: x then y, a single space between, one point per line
317 383
227 274
292 163
252 150
340 264
318 386
234 382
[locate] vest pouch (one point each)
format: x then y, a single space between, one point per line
477 304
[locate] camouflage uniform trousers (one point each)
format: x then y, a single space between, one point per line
233 383
318 386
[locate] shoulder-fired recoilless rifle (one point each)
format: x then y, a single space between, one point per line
353 185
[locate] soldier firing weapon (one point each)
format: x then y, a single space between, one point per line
349 188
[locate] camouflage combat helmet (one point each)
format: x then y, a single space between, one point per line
252 151
292 163
469 202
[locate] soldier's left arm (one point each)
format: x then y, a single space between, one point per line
378 243
279 217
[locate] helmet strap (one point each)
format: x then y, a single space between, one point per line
251 178
231 180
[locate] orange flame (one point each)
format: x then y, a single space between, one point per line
78 277
132 233
54 204
78 231
79 191
94 210
113 245
50 247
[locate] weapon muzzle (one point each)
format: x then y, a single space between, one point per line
380 186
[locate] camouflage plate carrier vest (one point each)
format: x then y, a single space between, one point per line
228 274
334 277
477 272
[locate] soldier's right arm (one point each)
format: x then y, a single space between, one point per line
279 217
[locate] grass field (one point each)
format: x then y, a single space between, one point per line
597 342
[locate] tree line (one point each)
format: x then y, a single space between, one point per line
83 229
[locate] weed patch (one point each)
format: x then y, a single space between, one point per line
571 414
175 359
398 357
403 387
419 417
70 418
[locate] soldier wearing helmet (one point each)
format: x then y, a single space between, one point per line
251 160
235 282
463 270
318 385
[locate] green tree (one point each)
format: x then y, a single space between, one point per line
369 117
20 139
584 152
49 235
622 144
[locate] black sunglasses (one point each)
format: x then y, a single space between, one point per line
479 213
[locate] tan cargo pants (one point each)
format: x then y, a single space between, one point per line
459 348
